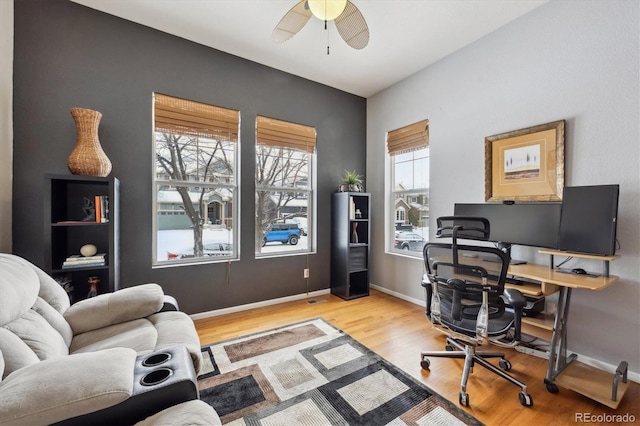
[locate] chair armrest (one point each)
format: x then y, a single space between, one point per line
514 298
428 292
61 388
113 308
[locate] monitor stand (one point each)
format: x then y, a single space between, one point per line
505 247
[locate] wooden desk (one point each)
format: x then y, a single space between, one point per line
551 279
562 369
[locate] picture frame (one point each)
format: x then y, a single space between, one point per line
525 164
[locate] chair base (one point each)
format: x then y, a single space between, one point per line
471 357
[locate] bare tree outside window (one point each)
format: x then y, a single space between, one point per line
195 159
284 188
188 158
282 177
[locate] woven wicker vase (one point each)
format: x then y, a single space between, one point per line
88 158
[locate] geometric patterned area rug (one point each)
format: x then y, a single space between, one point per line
311 373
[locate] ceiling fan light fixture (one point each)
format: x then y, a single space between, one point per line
327 10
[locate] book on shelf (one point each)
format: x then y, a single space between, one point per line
79 257
352 209
102 208
73 265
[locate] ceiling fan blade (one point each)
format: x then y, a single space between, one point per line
291 22
352 27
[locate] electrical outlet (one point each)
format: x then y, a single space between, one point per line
306 273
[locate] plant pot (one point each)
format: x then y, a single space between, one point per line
353 187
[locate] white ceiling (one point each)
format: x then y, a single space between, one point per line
405 35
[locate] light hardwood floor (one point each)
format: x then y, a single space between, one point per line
398 330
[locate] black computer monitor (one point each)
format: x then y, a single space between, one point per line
526 224
589 219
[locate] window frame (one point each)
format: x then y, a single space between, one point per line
165 181
411 138
310 190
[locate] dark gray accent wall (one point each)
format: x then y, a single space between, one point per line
67 55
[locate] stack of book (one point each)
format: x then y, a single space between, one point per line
79 261
102 208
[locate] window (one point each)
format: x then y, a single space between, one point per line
284 187
195 196
408 214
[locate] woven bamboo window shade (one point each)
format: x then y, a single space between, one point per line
184 117
408 138
272 132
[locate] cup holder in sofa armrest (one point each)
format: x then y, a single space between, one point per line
156 359
160 380
156 377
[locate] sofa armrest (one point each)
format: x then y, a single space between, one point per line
113 308
60 388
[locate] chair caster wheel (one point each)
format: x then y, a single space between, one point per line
551 387
463 399
525 399
425 363
449 348
505 364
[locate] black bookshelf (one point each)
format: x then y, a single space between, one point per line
350 233
71 223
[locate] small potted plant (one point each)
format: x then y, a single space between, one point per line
351 182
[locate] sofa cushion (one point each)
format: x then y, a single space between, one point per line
19 288
15 352
139 335
176 328
112 308
54 318
39 335
55 390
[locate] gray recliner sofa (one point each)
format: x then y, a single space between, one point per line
114 358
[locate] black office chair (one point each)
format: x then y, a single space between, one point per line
467 301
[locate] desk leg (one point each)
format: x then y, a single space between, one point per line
558 359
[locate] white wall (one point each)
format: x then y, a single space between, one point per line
6 122
569 60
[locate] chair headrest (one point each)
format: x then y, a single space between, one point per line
465 227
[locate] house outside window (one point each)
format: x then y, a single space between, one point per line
285 187
195 182
408 156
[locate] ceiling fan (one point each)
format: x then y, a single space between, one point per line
349 21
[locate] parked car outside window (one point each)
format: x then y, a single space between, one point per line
409 241
285 233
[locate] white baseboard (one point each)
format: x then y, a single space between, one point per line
398 295
634 376
264 303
